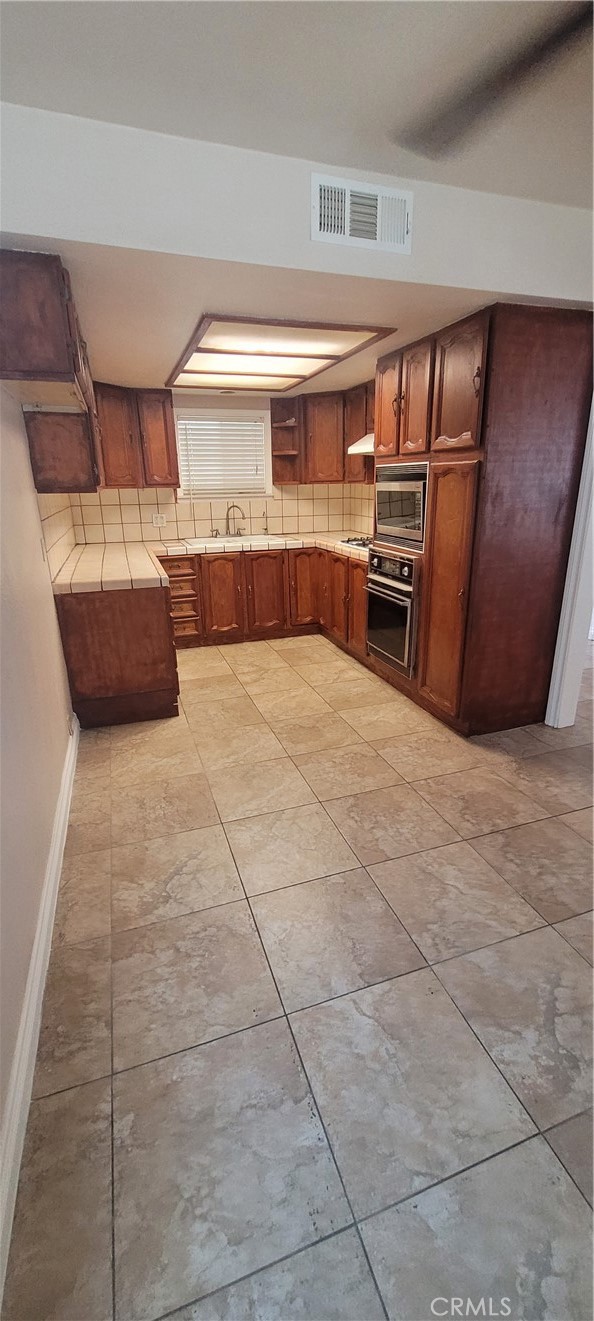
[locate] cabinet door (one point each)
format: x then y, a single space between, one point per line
452 498
62 452
415 398
34 331
458 394
324 426
265 591
223 595
387 406
338 596
286 420
323 587
355 426
120 439
357 635
157 435
303 586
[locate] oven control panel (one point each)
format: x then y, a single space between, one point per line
396 568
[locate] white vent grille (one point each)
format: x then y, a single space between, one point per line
360 214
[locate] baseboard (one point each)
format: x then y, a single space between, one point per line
18 1098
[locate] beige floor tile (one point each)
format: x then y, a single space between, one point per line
546 862
259 681
578 931
387 720
514 743
239 792
84 897
326 671
417 756
406 1093
355 693
451 901
75 1035
166 808
210 687
189 980
388 823
304 641
559 781
245 655
314 733
233 747
231 713
529 1001
331 936
477 801
89 823
515 1228
330 1280
340 771
582 822
140 765
291 704
284 848
158 735
222 1142
572 1143
572 736
306 651
164 878
194 662
94 756
60 1257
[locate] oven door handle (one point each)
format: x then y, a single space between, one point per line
390 596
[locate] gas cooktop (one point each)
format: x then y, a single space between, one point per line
363 542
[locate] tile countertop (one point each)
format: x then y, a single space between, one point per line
123 565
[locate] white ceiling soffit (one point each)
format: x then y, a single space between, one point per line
332 82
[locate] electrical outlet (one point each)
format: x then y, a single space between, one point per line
159 520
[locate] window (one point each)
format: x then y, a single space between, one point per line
223 452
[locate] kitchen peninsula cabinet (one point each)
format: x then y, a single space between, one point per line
137 436
459 380
265 592
324 438
415 398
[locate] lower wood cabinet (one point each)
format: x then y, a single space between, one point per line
338 596
450 524
323 588
303 586
186 599
357 607
265 591
223 595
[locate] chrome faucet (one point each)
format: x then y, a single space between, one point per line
230 509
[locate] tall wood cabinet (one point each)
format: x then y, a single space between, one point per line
450 523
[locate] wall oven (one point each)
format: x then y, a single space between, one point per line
400 501
391 608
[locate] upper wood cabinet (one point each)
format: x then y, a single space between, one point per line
459 382
415 398
265 591
286 420
157 437
324 438
223 595
137 437
38 336
387 405
450 524
358 421
62 452
120 440
303 586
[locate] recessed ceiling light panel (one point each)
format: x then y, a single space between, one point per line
245 354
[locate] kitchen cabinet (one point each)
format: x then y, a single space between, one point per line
186 606
265 591
120 439
415 398
119 653
324 438
303 586
458 388
338 596
323 588
286 421
358 421
62 452
138 442
387 405
357 607
452 498
223 595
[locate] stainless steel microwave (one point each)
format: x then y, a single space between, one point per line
400 502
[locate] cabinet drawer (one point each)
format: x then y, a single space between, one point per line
181 587
183 565
184 609
186 628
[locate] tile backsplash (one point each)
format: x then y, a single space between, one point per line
57 525
126 515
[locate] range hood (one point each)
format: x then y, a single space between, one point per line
363 446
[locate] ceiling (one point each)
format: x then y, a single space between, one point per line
138 309
329 82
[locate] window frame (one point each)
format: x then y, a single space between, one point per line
184 412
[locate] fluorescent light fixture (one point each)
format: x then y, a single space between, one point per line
248 354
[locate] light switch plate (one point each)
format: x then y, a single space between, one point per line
159 520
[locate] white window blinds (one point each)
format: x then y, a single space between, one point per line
222 453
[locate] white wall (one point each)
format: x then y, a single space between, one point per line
35 711
71 178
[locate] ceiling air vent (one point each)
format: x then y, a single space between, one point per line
362 215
